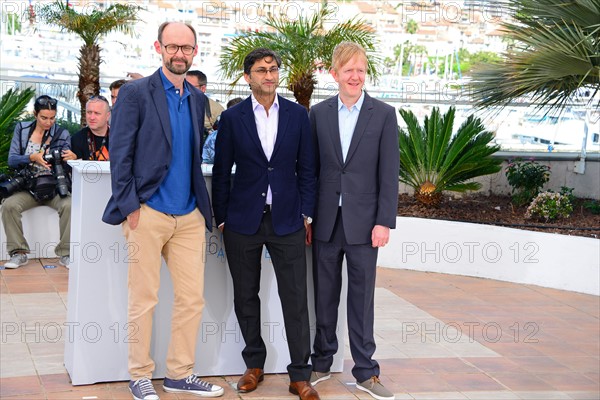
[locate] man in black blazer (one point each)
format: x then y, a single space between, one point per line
160 199
269 202
356 138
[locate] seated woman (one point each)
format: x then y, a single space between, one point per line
33 144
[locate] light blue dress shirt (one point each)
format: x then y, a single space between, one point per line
347 118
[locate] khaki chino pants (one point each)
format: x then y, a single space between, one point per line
12 215
180 239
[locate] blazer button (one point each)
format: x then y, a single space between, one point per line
263 194
270 169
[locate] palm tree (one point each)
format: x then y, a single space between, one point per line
303 45
555 52
90 28
433 160
412 27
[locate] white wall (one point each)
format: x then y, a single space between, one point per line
561 174
544 259
40 225
485 251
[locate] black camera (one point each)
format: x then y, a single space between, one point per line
54 158
16 182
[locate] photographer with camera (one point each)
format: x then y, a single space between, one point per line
38 150
91 142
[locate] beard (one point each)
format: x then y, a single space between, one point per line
177 69
262 90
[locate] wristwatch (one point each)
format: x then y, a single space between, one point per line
307 219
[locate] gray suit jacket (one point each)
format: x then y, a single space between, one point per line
367 180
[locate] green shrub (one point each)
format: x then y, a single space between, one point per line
72 126
567 191
550 206
526 179
433 159
593 206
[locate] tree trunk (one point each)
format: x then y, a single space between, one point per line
303 89
89 76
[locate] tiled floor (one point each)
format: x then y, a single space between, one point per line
439 337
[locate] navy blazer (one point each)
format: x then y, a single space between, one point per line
367 179
239 200
140 147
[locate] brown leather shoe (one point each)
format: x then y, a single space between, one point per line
249 381
304 390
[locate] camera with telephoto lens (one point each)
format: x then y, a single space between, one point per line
54 158
16 182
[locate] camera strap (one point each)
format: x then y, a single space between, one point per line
45 140
101 154
43 144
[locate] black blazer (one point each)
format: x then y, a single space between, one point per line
290 171
140 147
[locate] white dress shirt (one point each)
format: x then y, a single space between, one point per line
266 125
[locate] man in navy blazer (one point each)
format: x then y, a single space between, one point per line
268 202
356 138
160 198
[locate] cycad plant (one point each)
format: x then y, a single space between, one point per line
433 160
12 105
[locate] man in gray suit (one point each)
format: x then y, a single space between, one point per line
357 164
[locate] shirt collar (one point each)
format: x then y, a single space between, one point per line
168 85
358 103
255 102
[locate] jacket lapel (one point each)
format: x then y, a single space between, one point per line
334 128
160 103
366 111
195 126
284 116
250 123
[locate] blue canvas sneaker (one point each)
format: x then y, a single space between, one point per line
142 389
192 385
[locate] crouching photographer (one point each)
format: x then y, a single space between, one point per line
38 151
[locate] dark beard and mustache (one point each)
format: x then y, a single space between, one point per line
178 70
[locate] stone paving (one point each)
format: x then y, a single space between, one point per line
438 337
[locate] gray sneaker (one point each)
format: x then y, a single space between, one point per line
64 261
16 260
142 389
316 377
374 387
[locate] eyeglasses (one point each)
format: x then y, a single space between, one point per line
44 101
173 49
98 97
263 71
